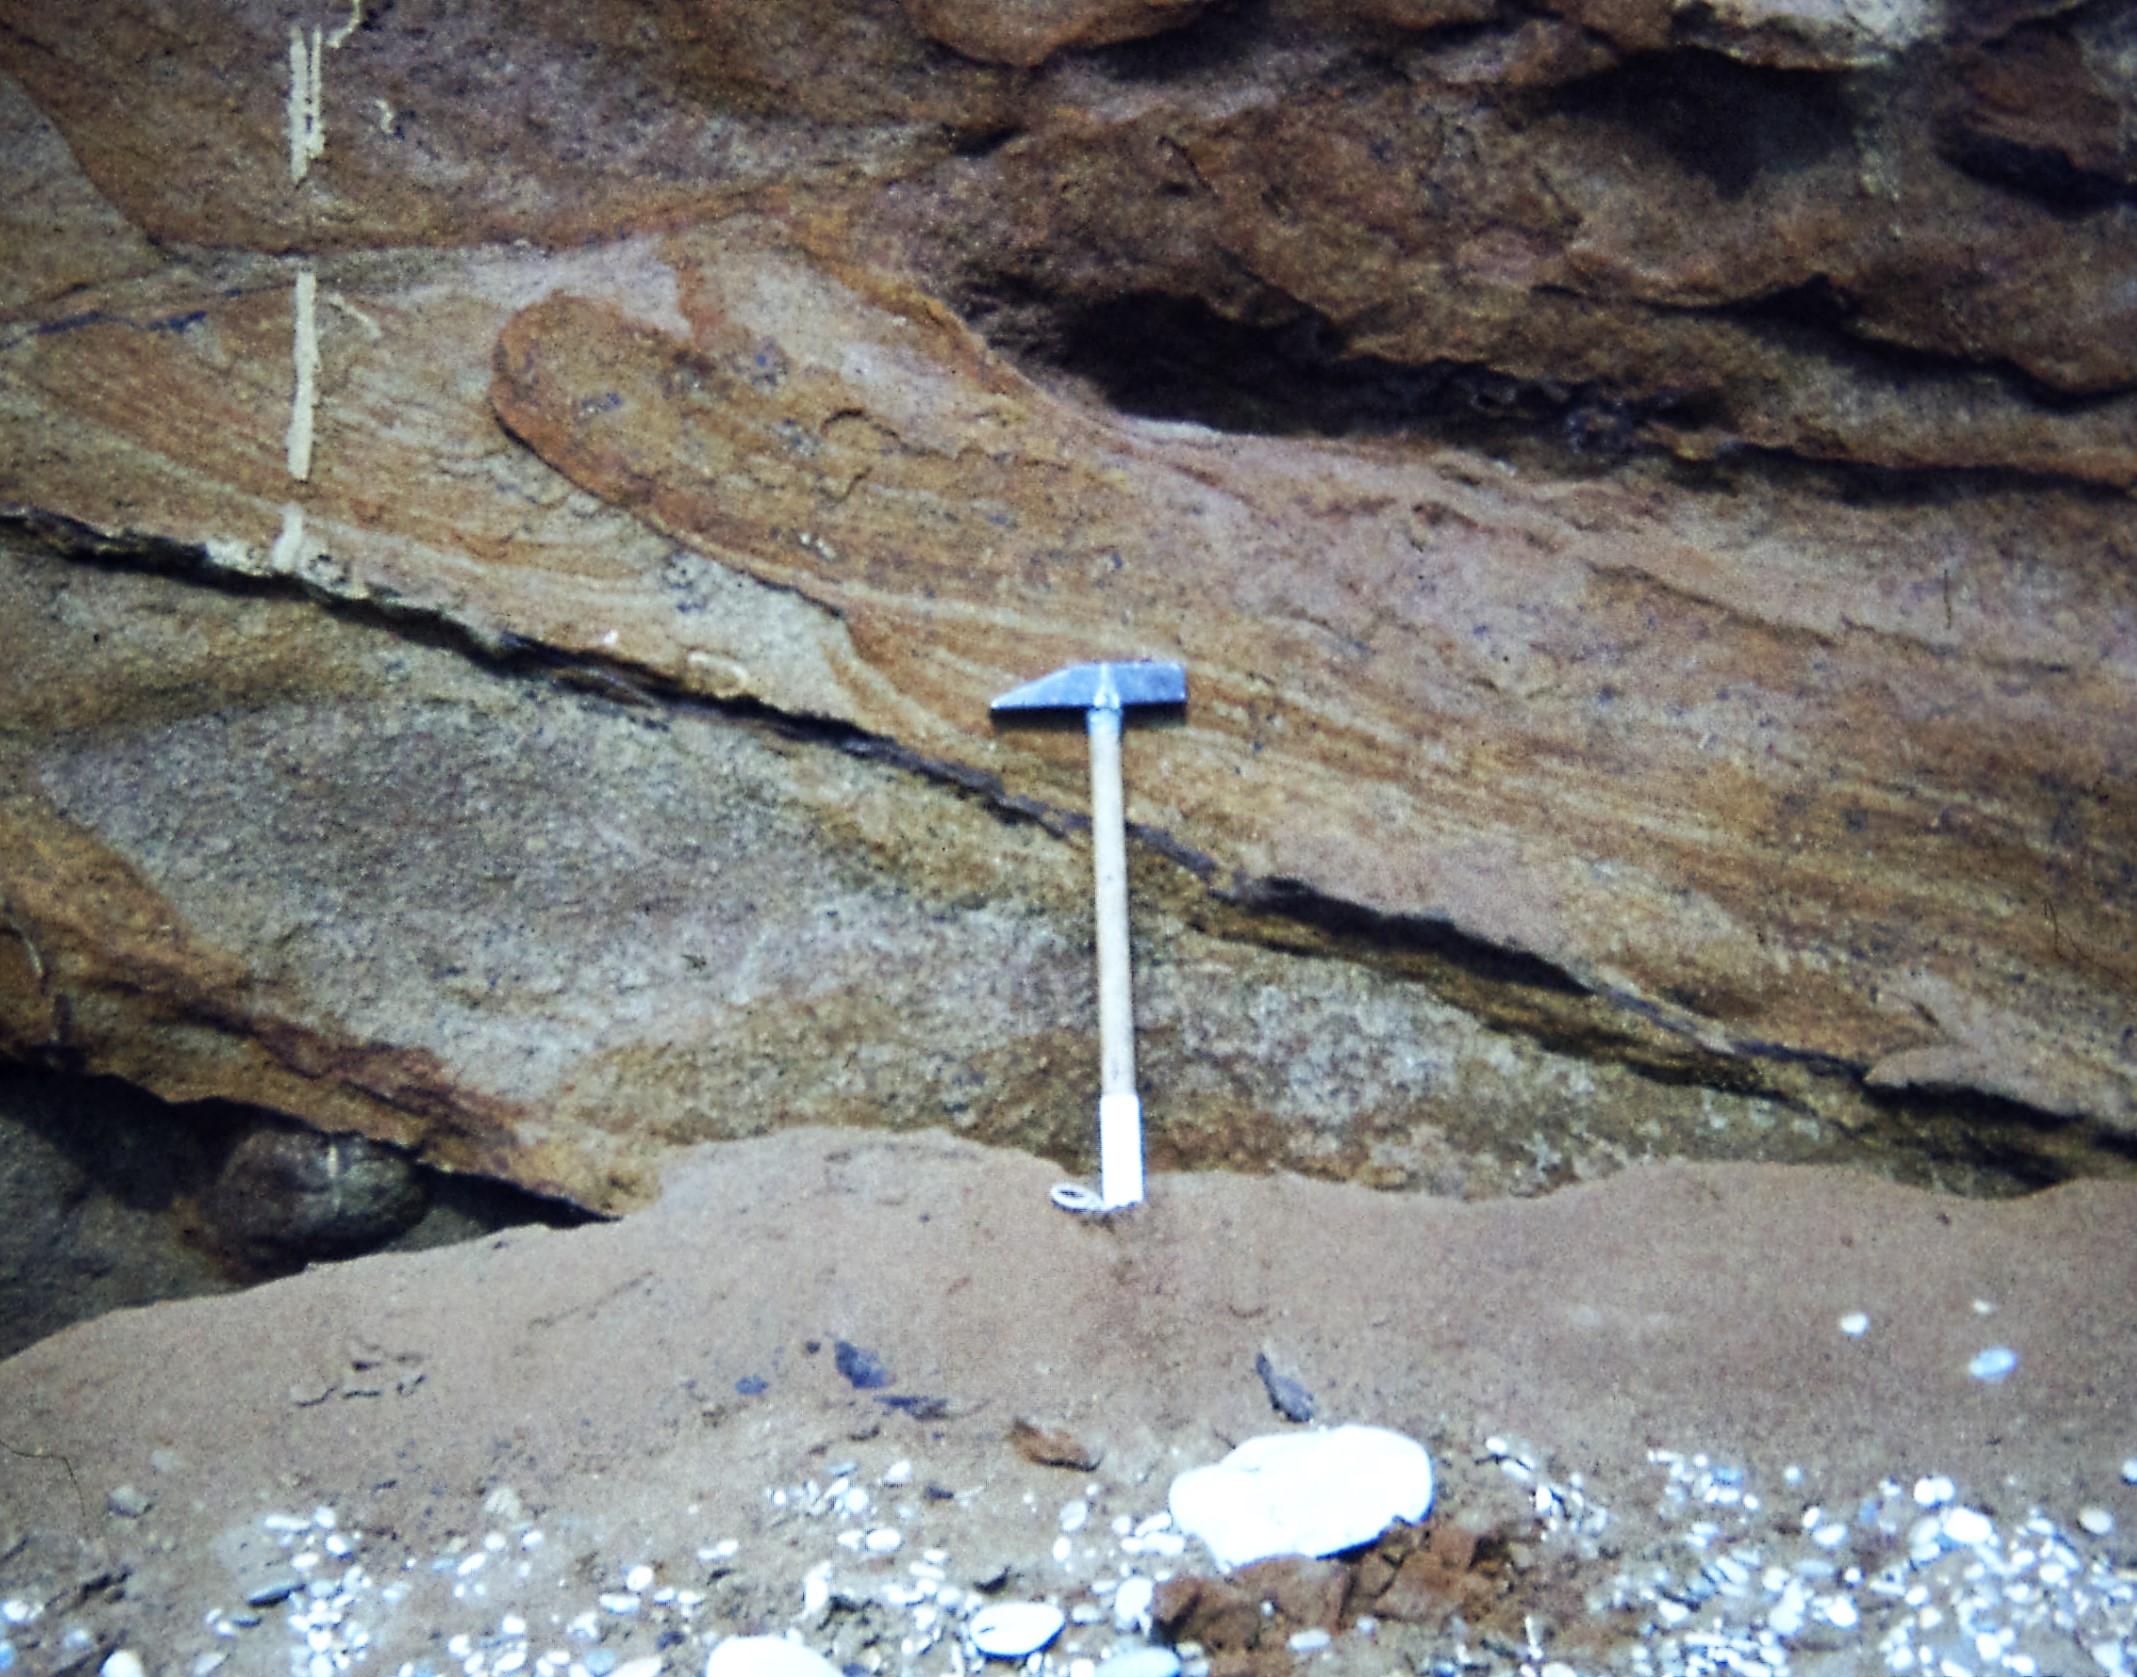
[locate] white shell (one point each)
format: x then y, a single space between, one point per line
1993 1364
1304 1493
766 1656
1968 1527
1011 1629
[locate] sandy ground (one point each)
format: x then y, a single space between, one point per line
567 1451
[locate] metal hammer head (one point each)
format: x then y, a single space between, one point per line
1100 687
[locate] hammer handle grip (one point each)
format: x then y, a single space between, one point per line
1109 864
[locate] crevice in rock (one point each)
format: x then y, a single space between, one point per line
1218 39
1819 320
1718 118
2039 174
1295 900
499 650
1162 357
1174 358
975 144
1856 483
111 1198
1994 1139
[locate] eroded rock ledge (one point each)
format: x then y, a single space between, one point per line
1642 491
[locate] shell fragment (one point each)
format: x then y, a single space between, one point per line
1012 1630
766 1656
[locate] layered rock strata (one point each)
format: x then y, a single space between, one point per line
1642 492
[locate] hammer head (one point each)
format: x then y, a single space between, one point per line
1100 687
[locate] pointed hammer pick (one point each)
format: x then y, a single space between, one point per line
1102 692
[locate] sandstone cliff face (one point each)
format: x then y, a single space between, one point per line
506 567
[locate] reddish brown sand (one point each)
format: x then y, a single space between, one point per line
593 1374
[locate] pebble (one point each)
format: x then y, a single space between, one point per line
1132 1600
1013 1630
863 1369
1303 1493
884 1540
129 1502
766 1656
1309 1641
1288 1395
2129 1470
1993 1364
646 1665
1855 1324
1140 1662
2098 1521
1934 1491
271 1591
124 1662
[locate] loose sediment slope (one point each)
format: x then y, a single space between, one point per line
819 1334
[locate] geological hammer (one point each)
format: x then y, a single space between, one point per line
1102 692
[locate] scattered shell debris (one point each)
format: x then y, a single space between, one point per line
1526 1573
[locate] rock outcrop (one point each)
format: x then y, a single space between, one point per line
507 565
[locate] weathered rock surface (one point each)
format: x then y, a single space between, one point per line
1525 762
527 931
92 1205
